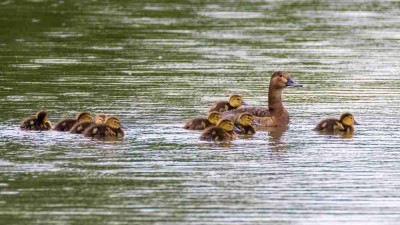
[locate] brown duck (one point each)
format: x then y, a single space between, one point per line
202 123
67 123
243 123
234 102
79 127
110 130
275 114
38 122
344 124
222 132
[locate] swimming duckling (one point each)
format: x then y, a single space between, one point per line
67 123
344 124
235 101
79 127
111 129
38 122
244 124
275 115
202 123
222 132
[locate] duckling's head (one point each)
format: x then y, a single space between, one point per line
281 79
113 122
84 117
235 100
100 119
214 117
42 117
226 124
245 119
348 119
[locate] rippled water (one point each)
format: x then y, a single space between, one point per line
156 64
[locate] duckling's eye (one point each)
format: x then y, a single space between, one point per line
280 75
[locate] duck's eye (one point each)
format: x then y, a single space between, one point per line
280 75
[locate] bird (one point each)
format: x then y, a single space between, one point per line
344 124
67 123
223 131
201 123
38 122
110 130
79 127
275 114
243 123
234 102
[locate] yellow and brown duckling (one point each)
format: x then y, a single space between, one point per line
222 132
67 123
38 122
79 127
202 123
275 115
243 123
344 124
234 102
111 129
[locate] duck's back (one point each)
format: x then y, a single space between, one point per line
197 124
80 127
64 124
31 123
329 125
255 111
221 106
249 130
215 134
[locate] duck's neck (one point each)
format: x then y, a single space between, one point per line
275 99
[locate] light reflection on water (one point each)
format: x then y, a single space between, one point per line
156 65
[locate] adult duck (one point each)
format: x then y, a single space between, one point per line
275 114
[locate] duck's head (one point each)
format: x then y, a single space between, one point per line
113 122
42 117
226 124
281 79
214 117
245 119
84 117
235 100
100 119
348 119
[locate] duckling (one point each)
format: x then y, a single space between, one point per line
235 101
343 124
38 122
275 114
111 129
222 132
79 127
244 122
67 123
202 123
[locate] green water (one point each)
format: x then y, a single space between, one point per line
155 64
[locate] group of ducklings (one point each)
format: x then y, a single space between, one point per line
215 128
99 127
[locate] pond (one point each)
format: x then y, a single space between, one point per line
155 64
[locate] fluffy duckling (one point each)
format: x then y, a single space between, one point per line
67 123
275 115
222 132
38 122
234 102
343 124
202 123
111 129
79 127
244 122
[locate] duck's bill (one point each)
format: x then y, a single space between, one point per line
292 83
123 126
255 123
356 123
244 103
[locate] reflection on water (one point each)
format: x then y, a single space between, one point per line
155 64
